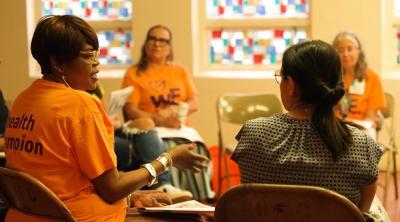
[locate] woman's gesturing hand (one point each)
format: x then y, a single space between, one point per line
183 157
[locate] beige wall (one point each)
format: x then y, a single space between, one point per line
13 48
362 16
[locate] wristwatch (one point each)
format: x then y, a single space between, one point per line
152 172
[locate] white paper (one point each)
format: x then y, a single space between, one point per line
191 206
117 101
184 132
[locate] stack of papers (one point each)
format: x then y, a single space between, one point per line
117 101
186 207
188 133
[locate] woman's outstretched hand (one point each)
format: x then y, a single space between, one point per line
183 157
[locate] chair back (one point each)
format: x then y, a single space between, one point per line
25 193
388 111
279 203
238 108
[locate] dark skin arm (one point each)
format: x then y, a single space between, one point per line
367 196
112 185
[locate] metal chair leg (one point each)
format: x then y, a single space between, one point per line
396 192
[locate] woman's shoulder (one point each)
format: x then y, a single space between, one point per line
84 102
371 74
131 71
276 119
178 67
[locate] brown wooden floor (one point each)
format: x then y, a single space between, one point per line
393 205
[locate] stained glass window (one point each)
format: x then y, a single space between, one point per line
115 46
115 42
89 9
257 8
251 47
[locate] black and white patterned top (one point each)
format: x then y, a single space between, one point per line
283 150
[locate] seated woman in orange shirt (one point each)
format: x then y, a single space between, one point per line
62 136
364 95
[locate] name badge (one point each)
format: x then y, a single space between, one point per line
357 87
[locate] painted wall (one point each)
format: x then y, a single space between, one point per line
365 17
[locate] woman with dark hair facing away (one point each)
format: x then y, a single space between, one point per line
309 145
62 136
364 95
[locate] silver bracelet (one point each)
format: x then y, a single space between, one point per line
128 199
152 172
165 160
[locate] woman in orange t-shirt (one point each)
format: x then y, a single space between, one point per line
62 136
161 86
364 95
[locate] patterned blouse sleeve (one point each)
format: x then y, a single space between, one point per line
241 146
374 153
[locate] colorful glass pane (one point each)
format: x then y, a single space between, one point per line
257 8
115 46
251 47
89 9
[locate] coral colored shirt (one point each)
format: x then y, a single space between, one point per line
63 137
159 87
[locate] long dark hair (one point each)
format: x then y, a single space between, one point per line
315 67
361 64
143 63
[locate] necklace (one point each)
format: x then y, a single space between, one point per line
57 79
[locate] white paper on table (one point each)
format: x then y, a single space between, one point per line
184 132
191 206
117 100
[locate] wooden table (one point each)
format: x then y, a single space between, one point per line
134 215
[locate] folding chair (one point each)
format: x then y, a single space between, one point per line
237 109
25 193
390 146
279 203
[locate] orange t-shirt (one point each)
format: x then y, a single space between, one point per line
159 87
371 99
63 137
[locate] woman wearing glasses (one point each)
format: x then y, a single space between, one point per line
61 135
160 84
363 89
164 93
309 145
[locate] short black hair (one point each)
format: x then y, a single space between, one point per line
60 36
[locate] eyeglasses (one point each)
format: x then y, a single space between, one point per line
90 57
161 41
348 49
278 77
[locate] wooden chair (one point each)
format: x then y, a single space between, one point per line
25 193
389 146
237 109
279 203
